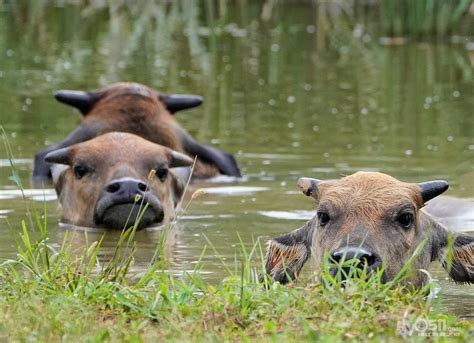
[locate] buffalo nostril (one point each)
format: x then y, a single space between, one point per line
113 187
364 257
336 257
368 259
142 186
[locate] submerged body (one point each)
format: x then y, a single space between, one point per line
117 180
379 222
137 109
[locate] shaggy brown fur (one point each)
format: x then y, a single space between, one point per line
137 109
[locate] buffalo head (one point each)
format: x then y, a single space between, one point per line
112 180
143 111
377 221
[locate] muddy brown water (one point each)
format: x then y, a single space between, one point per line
286 97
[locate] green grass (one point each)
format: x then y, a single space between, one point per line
49 294
421 17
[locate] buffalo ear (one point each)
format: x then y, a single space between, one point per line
179 102
60 156
287 254
178 159
308 186
432 189
456 253
83 101
459 259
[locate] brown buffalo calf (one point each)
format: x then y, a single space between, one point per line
375 220
137 109
105 181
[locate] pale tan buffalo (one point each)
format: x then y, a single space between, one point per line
107 181
377 221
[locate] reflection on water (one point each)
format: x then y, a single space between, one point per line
287 97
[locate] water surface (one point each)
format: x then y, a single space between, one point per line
288 98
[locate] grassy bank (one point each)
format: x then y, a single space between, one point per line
54 294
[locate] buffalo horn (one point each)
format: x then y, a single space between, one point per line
179 102
60 156
83 101
432 189
180 160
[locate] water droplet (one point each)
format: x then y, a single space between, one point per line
275 47
67 65
291 125
272 102
10 53
364 111
456 94
295 144
307 87
261 82
315 128
408 152
326 154
28 101
334 110
450 138
344 50
310 29
291 99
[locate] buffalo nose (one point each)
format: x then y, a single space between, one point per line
126 186
365 258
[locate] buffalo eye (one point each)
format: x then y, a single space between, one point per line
323 218
405 220
80 171
162 173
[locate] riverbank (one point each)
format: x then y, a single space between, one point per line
53 294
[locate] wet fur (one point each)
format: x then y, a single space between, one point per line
112 156
136 109
362 203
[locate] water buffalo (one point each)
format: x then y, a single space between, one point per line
104 182
137 109
374 220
